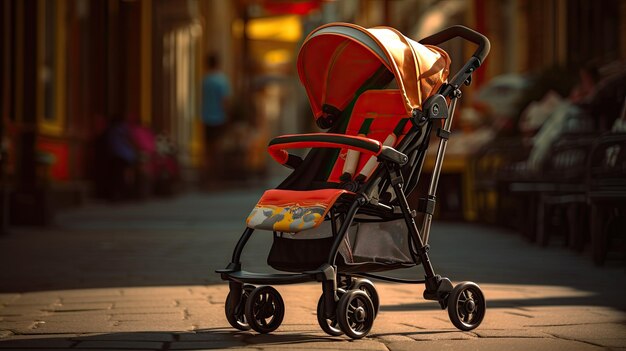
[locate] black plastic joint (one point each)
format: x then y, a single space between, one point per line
427 205
362 200
438 289
324 273
432 283
435 107
396 179
390 154
424 249
443 134
330 115
418 117
328 272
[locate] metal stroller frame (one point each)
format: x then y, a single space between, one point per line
352 312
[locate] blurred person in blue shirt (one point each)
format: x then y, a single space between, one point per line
122 157
215 95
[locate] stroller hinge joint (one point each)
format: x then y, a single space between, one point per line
395 177
325 272
424 249
418 118
451 90
427 205
397 181
362 200
443 134
457 93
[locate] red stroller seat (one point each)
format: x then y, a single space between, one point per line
378 118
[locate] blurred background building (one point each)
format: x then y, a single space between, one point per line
75 74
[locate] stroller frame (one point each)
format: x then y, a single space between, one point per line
440 106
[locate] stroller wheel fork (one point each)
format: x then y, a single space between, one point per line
438 289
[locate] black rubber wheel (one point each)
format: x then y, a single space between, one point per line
367 286
355 314
265 309
466 306
236 314
328 325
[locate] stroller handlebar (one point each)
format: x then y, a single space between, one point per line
463 32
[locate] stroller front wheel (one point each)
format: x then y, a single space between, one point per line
355 314
466 306
367 286
235 313
329 325
265 309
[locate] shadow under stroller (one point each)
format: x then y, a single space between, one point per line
343 215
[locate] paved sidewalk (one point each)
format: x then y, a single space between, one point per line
139 277
191 318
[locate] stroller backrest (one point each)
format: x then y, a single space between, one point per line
379 115
374 113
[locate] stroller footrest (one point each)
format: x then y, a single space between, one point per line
266 278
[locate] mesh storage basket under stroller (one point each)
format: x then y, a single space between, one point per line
368 246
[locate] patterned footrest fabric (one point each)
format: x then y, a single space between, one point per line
292 211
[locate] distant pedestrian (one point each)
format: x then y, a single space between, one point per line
122 157
215 95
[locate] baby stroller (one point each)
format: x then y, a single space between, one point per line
343 215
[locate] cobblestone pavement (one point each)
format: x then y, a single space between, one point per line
139 276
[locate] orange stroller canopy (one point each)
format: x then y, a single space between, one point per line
338 58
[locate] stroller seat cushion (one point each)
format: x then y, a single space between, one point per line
292 211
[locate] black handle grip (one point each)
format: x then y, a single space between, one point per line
466 33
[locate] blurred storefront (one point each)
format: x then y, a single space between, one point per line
69 70
72 70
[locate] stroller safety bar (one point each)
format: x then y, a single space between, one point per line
364 145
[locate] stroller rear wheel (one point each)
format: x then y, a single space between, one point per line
355 314
265 309
367 286
235 314
329 325
466 306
